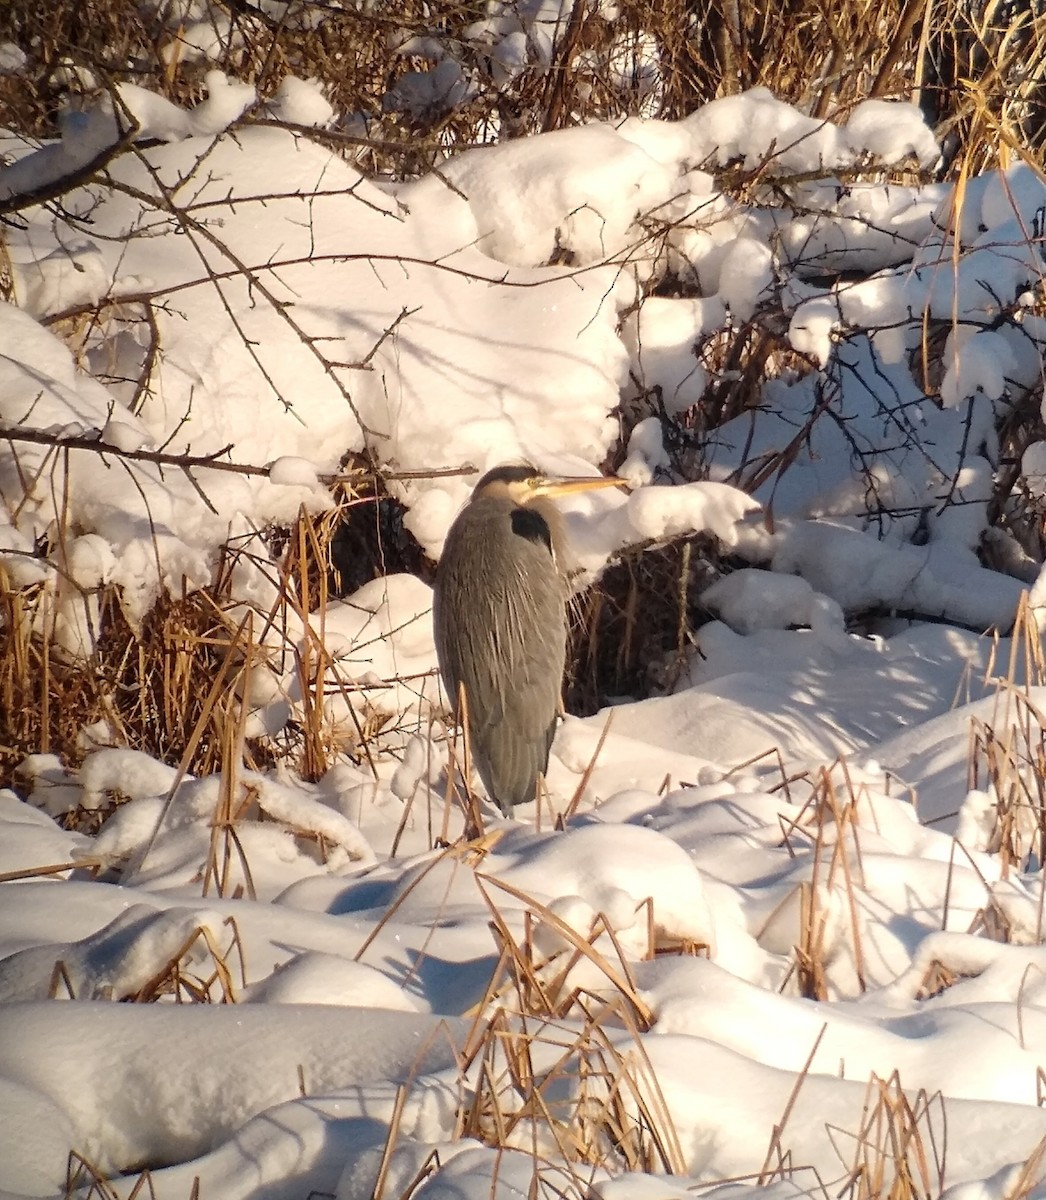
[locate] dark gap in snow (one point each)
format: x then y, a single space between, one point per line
630 632
372 541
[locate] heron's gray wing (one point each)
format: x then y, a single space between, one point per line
500 633
514 735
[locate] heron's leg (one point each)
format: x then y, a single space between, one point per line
473 814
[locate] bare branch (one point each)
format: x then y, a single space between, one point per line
211 462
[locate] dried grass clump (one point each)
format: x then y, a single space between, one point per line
899 1149
827 828
596 1105
146 688
546 1065
1007 753
1010 762
978 69
177 684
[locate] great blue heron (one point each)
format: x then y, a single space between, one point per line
500 623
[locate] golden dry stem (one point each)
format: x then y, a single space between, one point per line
898 1150
829 822
1007 753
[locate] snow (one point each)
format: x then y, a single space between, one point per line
139 1123
794 817
1033 467
12 58
289 470
766 600
890 131
662 337
578 190
658 512
301 102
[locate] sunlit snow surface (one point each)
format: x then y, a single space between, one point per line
424 324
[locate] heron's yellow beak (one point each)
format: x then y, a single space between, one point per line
552 488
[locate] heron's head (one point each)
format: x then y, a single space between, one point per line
522 483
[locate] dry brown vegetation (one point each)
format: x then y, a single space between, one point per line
977 67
